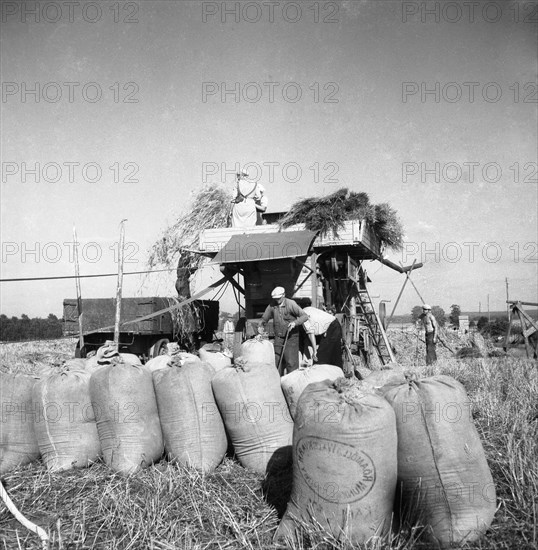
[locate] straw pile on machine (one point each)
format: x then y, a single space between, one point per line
329 213
209 207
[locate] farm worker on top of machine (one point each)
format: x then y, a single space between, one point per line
249 203
287 316
430 326
323 327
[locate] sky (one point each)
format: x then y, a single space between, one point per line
120 111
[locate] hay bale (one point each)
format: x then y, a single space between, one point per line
209 207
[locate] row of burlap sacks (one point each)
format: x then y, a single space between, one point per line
113 406
362 455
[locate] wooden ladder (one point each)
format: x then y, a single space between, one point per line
365 310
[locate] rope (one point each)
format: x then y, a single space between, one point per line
139 319
82 276
21 519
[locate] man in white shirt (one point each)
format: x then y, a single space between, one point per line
323 327
431 328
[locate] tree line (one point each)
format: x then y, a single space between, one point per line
15 330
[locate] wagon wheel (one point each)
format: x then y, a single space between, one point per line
159 348
240 336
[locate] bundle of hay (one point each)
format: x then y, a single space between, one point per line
186 321
209 207
388 226
329 213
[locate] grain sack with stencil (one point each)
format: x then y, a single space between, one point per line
18 442
127 417
66 431
344 463
443 475
192 427
255 414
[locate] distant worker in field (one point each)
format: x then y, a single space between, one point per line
325 334
287 317
430 326
249 203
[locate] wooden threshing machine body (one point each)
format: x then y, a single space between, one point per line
325 268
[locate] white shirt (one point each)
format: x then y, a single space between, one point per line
318 321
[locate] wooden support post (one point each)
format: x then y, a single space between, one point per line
416 290
528 327
508 330
119 285
79 293
407 275
522 322
314 292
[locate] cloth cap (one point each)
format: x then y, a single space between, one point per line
426 306
278 292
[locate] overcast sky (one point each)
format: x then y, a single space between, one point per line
431 107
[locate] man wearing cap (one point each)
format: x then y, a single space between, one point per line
287 316
430 326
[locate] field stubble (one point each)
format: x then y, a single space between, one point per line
170 507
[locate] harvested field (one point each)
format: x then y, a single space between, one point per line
170 507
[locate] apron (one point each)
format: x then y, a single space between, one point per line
244 213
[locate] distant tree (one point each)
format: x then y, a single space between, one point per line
481 323
472 324
416 312
439 313
15 329
454 317
496 328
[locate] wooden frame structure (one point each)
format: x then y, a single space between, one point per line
529 327
328 268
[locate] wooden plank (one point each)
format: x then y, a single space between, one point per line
354 232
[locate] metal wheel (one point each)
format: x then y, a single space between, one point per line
159 348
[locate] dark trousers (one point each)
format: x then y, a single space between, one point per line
431 356
290 359
330 346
